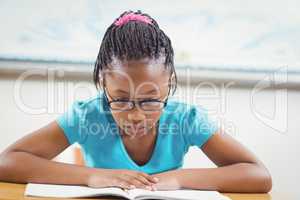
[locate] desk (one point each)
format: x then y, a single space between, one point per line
9 191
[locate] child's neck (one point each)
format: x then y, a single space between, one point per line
150 133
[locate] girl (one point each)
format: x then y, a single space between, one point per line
132 135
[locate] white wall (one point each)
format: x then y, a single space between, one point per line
279 151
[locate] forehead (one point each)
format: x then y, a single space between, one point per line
142 74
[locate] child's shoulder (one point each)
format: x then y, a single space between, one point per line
178 109
89 105
179 106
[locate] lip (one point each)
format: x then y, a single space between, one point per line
135 127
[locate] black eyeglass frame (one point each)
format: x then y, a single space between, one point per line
134 102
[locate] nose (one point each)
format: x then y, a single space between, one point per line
136 116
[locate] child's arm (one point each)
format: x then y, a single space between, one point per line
238 170
29 160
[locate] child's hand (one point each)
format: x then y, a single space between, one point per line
168 180
125 179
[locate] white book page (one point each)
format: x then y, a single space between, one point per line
140 194
71 191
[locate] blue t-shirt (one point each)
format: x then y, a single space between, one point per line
91 124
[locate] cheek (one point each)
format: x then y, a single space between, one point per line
154 116
119 117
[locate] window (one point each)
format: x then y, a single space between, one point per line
236 35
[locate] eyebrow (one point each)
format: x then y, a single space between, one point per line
125 92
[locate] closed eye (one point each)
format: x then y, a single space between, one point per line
121 99
147 100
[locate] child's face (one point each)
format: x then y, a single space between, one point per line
137 80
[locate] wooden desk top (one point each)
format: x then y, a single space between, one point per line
10 191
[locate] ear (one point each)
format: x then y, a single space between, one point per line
101 82
173 83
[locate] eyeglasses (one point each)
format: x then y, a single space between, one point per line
127 105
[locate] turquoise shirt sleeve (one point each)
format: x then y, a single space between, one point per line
197 126
71 122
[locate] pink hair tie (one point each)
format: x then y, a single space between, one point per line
132 17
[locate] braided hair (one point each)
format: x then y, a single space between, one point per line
134 40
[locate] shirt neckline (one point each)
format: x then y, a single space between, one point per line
153 154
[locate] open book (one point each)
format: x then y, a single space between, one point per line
71 191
